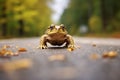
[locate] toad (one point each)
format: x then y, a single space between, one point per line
57 36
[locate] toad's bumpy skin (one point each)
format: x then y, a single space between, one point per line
56 35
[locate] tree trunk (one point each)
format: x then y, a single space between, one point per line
4 29
90 9
21 30
4 23
103 14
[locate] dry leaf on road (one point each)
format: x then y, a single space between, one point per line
22 50
59 57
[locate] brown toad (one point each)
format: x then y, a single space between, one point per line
56 35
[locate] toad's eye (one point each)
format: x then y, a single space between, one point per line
62 26
51 26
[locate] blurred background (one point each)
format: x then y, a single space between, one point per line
89 18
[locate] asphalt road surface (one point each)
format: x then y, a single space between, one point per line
83 63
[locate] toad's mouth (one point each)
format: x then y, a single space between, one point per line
57 34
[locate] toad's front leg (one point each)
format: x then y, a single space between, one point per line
70 42
43 42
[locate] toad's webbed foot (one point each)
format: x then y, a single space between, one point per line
43 42
70 42
43 47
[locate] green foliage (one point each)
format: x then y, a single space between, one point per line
76 13
95 24
24 17
98 15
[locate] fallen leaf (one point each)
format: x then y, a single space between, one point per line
111 54
70 49
16 65
6 46
60 57
94 56
105 55
5 52
22 50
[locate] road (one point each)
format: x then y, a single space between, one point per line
84 63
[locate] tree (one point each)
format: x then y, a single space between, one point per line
76 14
24 17
3 17
99 15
